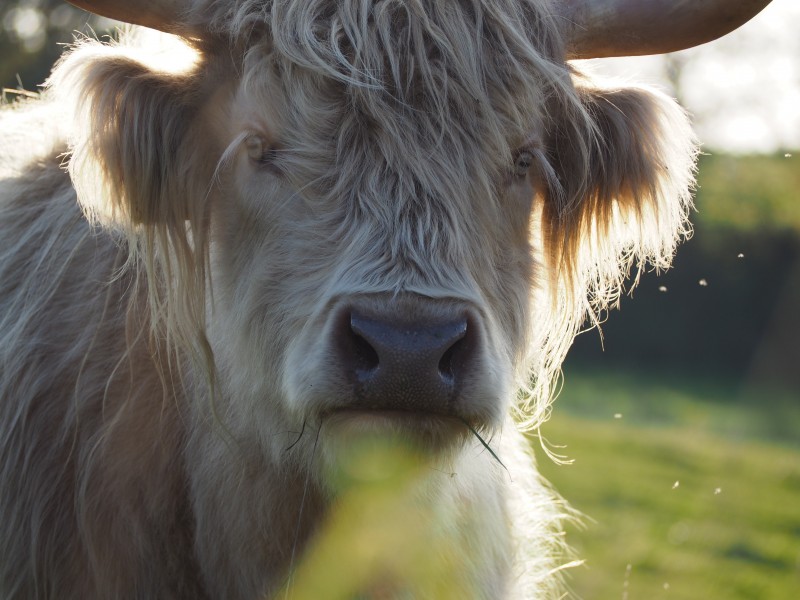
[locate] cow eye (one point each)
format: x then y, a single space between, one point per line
262 153
256 147
523 163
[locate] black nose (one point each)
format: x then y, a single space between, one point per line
400 362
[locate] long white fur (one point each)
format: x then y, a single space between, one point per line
162 305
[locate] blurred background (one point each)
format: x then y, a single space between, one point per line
683 421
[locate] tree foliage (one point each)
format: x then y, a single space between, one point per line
32 34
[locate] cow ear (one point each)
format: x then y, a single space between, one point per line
624 174
129 125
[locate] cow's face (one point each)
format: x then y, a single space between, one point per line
371 259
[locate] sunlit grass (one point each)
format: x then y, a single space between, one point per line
704 405
682 510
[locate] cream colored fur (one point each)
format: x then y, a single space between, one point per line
162 304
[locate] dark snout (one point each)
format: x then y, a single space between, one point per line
414 355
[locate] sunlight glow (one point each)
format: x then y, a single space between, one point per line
164 52
28 25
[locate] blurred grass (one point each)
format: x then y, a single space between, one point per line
729 407
728 530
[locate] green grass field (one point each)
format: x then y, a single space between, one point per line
686 495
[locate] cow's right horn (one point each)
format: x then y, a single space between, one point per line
602 28
163 15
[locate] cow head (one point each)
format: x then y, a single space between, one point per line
387 216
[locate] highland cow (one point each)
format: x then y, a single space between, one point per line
330 218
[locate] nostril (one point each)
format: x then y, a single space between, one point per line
448 364
359 357
365 358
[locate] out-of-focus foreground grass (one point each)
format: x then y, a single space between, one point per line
686 496
384 537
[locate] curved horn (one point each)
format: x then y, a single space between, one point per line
603 28
163 15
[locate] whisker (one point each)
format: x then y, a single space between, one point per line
300 513
302 430
485 445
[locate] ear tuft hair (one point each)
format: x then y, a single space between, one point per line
633 207
620 174
130 124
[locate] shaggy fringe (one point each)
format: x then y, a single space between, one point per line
630 210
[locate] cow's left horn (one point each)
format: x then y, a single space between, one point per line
164 15
602 28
